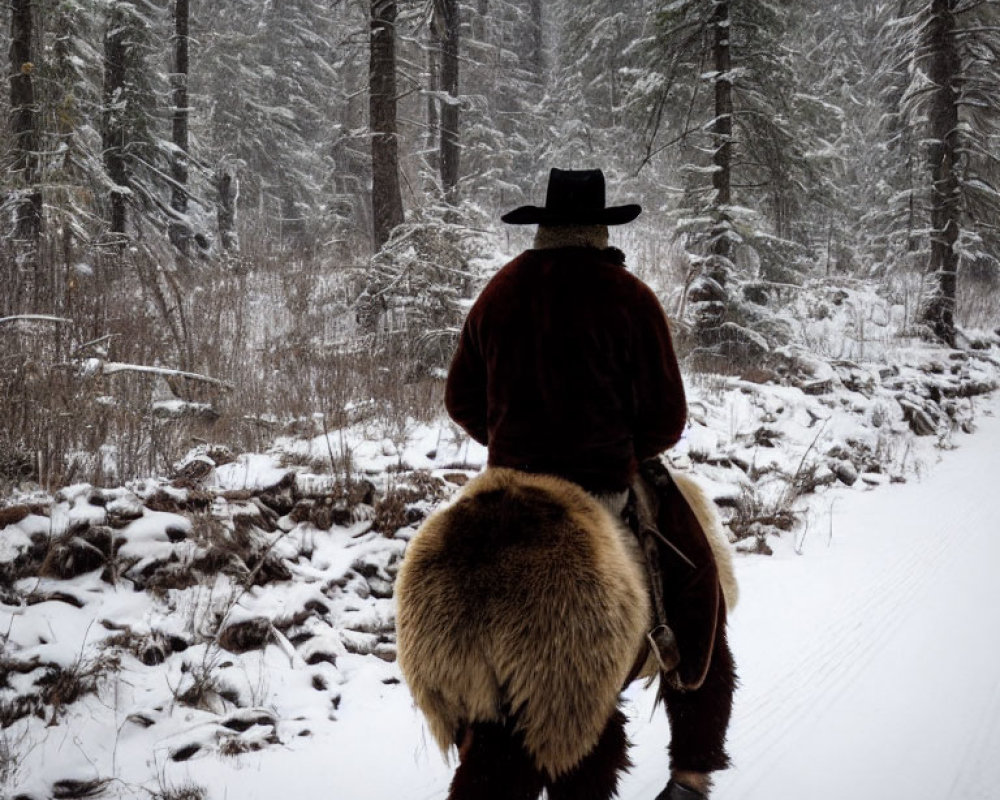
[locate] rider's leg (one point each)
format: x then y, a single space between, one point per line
596 777
690 580
699 719
495 766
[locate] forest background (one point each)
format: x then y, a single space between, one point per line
228 220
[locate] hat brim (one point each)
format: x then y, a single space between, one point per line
536 215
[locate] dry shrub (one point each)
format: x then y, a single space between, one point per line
65 685
395 509
756 516
62 420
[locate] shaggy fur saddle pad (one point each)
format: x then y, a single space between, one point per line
521 600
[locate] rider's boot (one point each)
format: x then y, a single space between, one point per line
678 791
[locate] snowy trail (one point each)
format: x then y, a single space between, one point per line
870 667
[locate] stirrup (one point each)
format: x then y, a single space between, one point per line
663 643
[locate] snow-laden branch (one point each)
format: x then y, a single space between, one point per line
95 365
34 318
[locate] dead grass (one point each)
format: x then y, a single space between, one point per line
235 746
56 688
203 687
184 791
978 303
14 747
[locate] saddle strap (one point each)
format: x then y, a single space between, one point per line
661 639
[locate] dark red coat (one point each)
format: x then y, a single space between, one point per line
565 366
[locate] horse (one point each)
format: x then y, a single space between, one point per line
523 609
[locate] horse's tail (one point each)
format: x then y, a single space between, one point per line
519 604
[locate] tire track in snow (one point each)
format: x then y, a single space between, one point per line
767 722
768 714
860 623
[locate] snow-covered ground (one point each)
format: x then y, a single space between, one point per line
866 644
868 668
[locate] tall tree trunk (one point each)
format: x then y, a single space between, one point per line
387 201
113 122
722 134
710 296
180 231
944 70
536 45
433 98
23 125
227 185
449 111
479 21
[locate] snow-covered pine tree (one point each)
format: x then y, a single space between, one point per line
843 77
73 177
503 133
721 88
596 66
269 78
133 158
951 49
71 110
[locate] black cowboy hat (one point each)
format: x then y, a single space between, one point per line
574 197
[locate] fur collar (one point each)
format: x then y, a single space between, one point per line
553 237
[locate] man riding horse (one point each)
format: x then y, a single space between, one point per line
565 367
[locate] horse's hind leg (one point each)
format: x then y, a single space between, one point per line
596 777
495 766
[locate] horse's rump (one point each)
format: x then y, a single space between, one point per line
521 600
